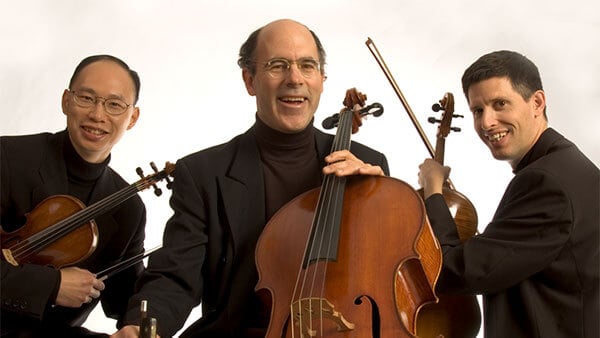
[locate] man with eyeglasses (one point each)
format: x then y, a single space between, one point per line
223 196
44 301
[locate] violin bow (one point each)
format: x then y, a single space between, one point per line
129 262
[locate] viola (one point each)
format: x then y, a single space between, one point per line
353 258
464 212
453 315
60 231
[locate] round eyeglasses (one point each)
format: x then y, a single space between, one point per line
85 99
279 67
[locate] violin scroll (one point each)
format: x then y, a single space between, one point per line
446 105
152 179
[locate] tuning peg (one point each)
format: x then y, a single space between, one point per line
140 172
169 182
436 107
433 120
457 129
456 115
157 190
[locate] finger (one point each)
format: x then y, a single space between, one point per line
369 169
95 293
98 285
339 156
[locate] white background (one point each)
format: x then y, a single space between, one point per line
192 95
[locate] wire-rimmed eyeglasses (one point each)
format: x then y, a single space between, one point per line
113 106
278 67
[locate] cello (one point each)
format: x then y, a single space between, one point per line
353 258
60 231
453 315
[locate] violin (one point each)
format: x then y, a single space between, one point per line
443 317
353 258
60 231
452 315
464 213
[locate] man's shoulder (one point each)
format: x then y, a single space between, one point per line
24 141
29 150
219 151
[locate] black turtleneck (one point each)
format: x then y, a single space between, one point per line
81 174
290 164
290 167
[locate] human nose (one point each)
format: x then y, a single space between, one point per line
294 74
98 112
487 119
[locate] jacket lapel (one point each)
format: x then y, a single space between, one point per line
52 171
243 194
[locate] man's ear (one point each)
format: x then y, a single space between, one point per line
248 82
134 117
539 102
65 101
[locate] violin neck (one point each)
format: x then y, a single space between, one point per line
440 146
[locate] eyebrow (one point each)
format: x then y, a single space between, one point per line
110 96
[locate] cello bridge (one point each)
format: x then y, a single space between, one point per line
307 309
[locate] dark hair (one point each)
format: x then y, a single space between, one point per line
94 58
246 55
521 72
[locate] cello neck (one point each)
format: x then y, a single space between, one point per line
329 206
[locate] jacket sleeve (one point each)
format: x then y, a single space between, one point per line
28 289
530 228
121 286
172 283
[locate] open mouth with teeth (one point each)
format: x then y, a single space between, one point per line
496 137
94 131
292 100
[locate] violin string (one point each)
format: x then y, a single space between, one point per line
44 237
50 234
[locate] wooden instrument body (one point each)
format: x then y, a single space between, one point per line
60 231
57 252
384 272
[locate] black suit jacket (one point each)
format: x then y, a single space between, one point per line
33 168
537 262
208 246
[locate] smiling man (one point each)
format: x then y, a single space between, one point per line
43 301
537 262
223 196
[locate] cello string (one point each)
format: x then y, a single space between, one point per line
301 278
336 205
324 221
